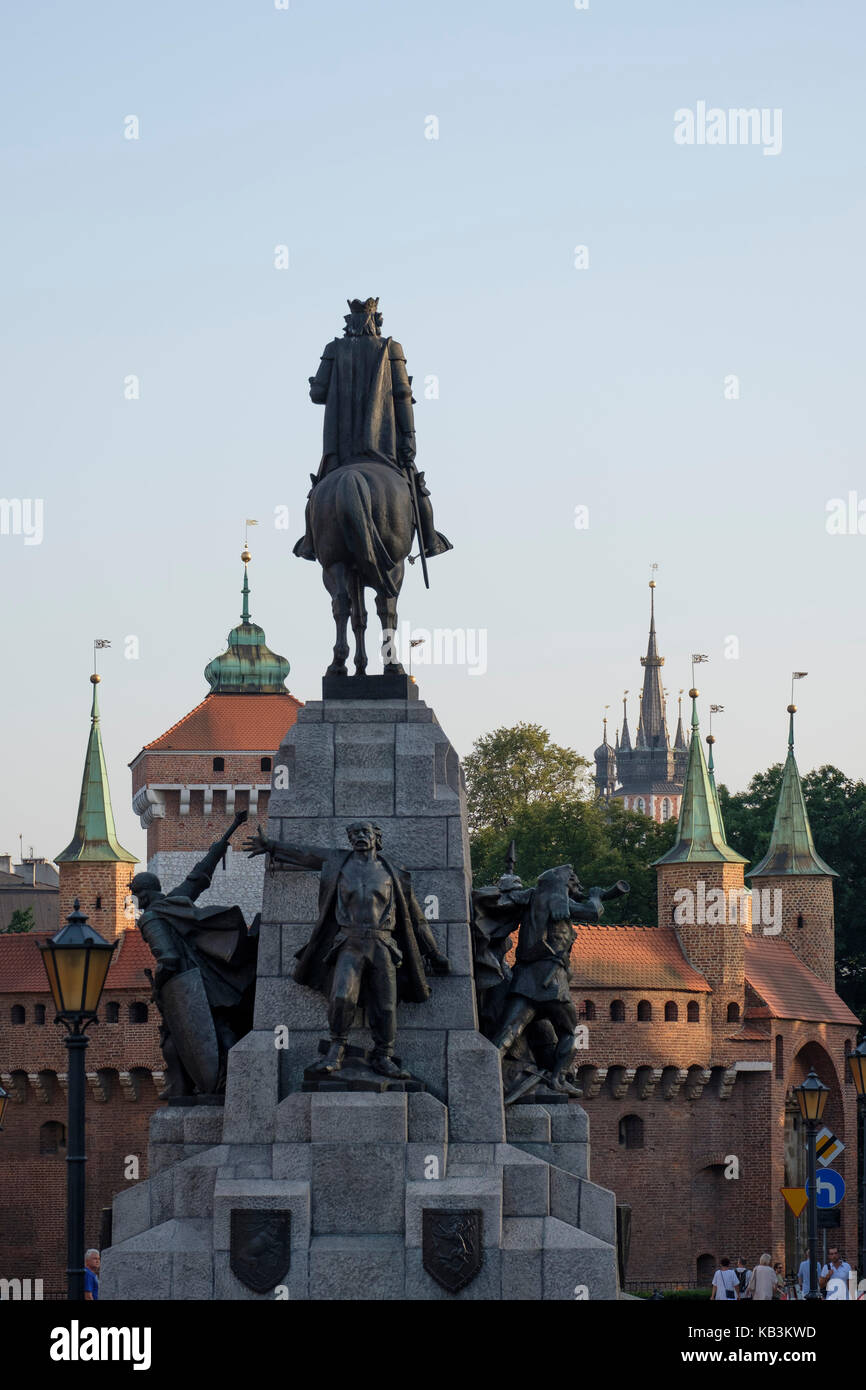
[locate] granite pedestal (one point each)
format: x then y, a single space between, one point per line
355 1170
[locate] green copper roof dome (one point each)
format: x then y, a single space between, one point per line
95 839
248 667
700 833
792 849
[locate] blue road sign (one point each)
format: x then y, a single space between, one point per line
830 1188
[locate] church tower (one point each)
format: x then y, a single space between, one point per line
700 887
605 767
649 773
794 868
94 867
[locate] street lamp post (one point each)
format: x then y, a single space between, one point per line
76 962
857 1067
812 1097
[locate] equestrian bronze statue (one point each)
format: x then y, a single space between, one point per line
368 501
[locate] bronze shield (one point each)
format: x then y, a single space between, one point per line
188 1018
452 1252
260 1248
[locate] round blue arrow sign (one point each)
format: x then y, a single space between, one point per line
830 1188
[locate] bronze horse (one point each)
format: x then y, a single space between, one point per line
362 525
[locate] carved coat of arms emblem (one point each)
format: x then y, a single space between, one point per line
451 1248
260 1248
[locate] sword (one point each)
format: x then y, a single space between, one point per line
410 476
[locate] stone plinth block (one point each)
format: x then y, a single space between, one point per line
528 1124
260 1194
525 1183
142 1267
251 1090
357 1267
307 754
292 1120
131 1212
583 1204
457 1194
574 1261
475 1107
358 1118
357 1188
428 1119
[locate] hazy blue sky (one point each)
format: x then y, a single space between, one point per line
558 387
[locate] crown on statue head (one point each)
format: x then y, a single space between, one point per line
363 317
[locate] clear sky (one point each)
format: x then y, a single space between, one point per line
559 387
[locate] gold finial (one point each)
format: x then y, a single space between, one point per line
694 693
792 709
711 738
246 556
95 679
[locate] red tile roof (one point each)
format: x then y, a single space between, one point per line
22 971
788 987
631 958
229 723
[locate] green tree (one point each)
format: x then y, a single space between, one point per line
21 920
603 841
510 769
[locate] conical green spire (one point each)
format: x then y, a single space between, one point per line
248 666
792 849
711 773
700 833
95 838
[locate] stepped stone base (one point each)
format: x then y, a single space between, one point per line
349 1174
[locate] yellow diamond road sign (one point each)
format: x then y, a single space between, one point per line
827 1146
795 1197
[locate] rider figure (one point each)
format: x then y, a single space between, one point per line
367 395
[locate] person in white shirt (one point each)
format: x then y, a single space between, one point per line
725 1282
835 1275
762 1284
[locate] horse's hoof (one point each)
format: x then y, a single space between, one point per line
334 670
394 668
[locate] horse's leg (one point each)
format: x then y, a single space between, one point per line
359 620
335 581
386 607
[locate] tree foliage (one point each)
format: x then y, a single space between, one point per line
21 920
510 769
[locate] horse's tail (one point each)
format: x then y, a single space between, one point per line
354 511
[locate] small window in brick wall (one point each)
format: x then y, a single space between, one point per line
693 1012
780 1057
587 1010
52 1137
705 1269
733 1013
617 1011
219 764
848 1077
39 1013
631 1132
98 903
644 1011
266 764
112 1012
18 1014
672 1013
138 1013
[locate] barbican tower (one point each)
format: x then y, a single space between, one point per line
219 759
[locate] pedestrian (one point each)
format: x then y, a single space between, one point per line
833 1278
725 1282
743 1274
91 1276
803 1276
780 1290
762 1284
